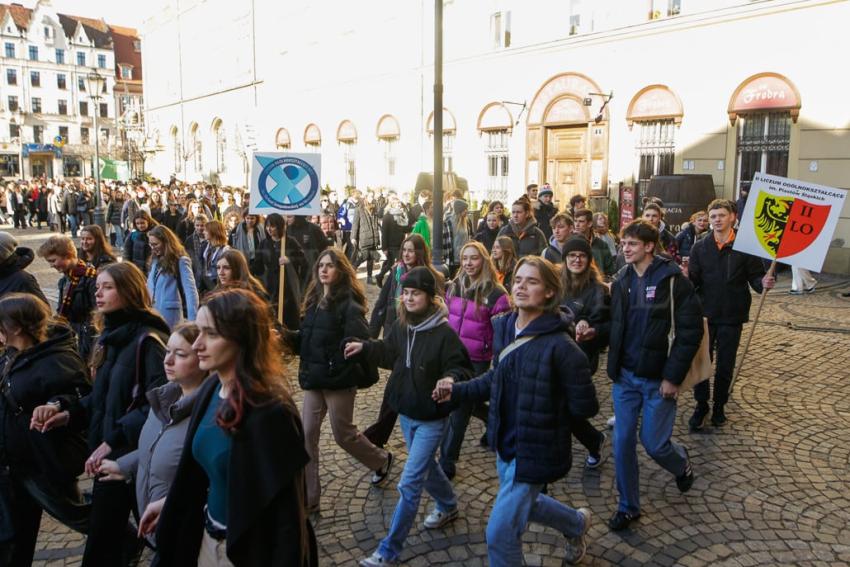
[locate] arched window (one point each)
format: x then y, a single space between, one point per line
177 150
312 138
388 133
220 138
282 140
448 138
197 147
495 124
346 134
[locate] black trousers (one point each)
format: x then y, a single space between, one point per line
586 434
723 342
388 264
379 432
110 541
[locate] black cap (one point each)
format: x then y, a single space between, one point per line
420 278
577 244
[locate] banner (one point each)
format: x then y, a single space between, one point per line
285 183
113 169
790 221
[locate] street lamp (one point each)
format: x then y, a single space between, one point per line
95 84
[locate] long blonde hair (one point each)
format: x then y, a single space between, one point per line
481 286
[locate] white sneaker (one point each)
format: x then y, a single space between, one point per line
375 560
437 519
577 546
611 421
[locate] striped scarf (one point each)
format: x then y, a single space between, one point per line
74 276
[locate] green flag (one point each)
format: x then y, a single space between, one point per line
114 169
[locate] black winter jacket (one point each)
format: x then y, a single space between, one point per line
13 278
319 343
653 361
384 310
110 412
487 237
543 214
312 241
294 273
592 304
686 239
528 240
137 250
79 312
553 385
48 369
392 234
419 356
264 527
721 277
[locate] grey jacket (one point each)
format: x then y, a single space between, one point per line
154 463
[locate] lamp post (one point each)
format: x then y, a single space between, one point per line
19 114
437 236
95 84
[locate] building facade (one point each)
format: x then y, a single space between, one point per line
47 115
588 96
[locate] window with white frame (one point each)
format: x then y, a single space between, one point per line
575 17
763 142
389 146
178 151
350 163
448 152
655 150
197 150
500 29
498 164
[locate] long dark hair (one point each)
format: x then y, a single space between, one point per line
242 276
346 283
101 245
172 250
26 312
574 284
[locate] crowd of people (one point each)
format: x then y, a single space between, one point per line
160 370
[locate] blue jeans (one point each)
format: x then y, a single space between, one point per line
74 223
118 232
631 394
420 471
517 504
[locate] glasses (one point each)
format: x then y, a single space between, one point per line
576 257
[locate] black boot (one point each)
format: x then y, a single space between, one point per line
698 419
718 415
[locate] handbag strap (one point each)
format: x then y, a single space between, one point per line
138 374
515 345
6 385
671 336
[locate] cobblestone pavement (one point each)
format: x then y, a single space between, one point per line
771 487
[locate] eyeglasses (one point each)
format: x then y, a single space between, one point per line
576 257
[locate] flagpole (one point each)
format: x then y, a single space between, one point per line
770 272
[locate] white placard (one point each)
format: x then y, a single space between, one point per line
285 183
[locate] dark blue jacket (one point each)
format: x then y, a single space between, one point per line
554 385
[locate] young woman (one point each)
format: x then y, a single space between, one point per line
127 363
237 496
113 217
76 289
137 249
488 231
171 282
522 229
473 298
232 270
539 376
248 237
420 349
498 208
696 229
156 206
294 263
216 245
154 463
587 299
504 259
94 249
39 363
334 309
171 217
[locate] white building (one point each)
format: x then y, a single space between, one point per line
718 87
46 113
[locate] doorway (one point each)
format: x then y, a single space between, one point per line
41 165
566 162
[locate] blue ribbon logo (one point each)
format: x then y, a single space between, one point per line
294 183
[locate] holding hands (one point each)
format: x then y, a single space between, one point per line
584 332
352 349
48 416
443 391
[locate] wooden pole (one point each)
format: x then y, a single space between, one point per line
770 272
282 269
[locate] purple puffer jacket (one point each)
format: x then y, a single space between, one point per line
472 324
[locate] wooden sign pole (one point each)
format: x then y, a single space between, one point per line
282 269
770 272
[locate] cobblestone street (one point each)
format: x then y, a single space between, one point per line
772 485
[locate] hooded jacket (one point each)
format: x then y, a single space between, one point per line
533 395
487 236
418 356
110 411
364 228
154 463
472 322
543 213
528 239
592 304
554 252
647 320
13 277
48 369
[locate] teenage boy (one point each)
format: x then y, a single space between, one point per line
601 253
721 276
646 370
544 210
562 230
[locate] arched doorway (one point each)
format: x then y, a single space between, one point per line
567 138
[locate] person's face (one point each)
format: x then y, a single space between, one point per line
231 222
327 270
422 199
493 221
195 208
580 205
172 208
577 262
141 224
529 292
546 199
325 203
140 194
251 221
225 198
634 250
326 223
581 225
156 244
60 263
181 362
721 219
289 220
333 197
200 229
519 215
532 193
106 296
496 252
652 216
499 209
415 300
394 202
408 254
562 231
701 222
601 225
224 272
213 350
471 261
86 241
272 230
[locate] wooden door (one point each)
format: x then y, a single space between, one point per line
566 162
569 180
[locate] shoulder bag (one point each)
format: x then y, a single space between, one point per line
700 369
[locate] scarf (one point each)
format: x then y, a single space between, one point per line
74 275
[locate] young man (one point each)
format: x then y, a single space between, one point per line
577 202
646 378
654 214
544 210
561 227
721 276
601 253
531 192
